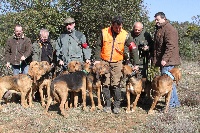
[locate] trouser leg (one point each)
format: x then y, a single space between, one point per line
117 97
106 94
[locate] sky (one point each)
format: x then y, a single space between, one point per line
175 10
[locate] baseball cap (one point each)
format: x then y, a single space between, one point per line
69 20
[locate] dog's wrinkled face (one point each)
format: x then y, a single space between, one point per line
45 65
127 70
101 68
74 66
37 69
33 68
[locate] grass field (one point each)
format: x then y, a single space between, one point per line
185 119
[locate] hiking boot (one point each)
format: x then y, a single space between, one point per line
107 109
116 110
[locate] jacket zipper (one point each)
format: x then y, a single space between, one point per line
112 49
16 53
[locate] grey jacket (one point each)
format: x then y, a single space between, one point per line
69 47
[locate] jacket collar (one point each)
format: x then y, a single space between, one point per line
163 24
21 37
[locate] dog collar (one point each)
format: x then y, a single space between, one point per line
170 75
132 74
85 72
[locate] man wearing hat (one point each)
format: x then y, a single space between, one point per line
72 45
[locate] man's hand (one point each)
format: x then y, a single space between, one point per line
163 63
135 68
145 48
52 65
88 61
23 58
8 65
96 62
61 63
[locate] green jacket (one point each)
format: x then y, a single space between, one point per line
69 47
143 39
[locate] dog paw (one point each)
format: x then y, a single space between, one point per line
128 111
31 105
100 107
25 105
165 111
43 105
132 110
151 112
92 109
45 112
65 115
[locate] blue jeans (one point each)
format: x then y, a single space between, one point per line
16 69
174 102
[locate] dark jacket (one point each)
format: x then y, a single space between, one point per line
166 45
143 39
16 48
133 53
44 51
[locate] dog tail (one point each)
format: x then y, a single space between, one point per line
55 95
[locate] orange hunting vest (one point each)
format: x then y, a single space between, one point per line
112 50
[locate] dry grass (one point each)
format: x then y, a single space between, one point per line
14 118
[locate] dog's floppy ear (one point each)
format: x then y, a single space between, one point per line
94 69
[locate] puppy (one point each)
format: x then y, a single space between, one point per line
40 73
162 86
20 83
133 85
94 76
61 85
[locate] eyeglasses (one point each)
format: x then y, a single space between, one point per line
69 24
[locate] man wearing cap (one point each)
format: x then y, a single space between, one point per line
72 45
